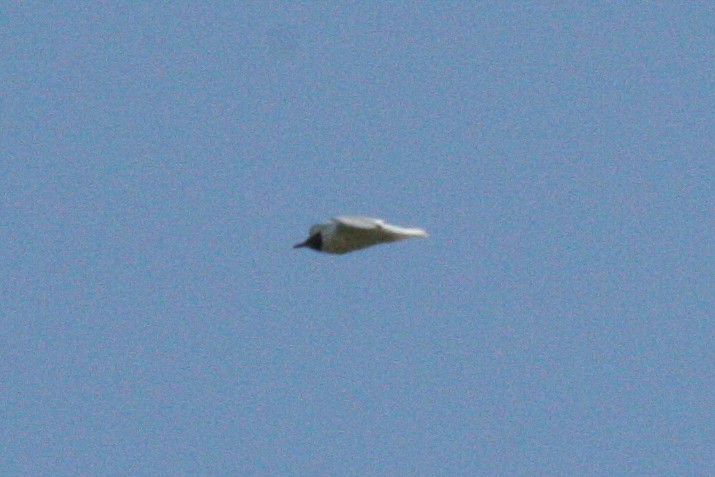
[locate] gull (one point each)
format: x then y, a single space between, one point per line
347 234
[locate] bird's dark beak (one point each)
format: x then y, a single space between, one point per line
315 242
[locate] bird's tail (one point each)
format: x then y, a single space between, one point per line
405 231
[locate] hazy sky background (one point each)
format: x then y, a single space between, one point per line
159 160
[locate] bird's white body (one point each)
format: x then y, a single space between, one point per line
347 234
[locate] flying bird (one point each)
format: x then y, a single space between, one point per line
347 234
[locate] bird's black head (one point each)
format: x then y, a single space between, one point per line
315 242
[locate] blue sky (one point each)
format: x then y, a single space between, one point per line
160 160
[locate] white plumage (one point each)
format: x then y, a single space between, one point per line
347 234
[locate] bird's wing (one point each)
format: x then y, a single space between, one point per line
358 223
354 233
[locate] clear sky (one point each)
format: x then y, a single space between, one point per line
160 159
